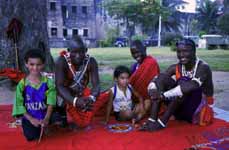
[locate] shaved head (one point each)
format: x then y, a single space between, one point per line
76 43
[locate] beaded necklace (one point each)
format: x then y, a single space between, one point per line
192 73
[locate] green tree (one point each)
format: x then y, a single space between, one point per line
207 16
134 12
223 24
145 13
172 21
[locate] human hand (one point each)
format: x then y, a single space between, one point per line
89 104
84 103
45 122
35 122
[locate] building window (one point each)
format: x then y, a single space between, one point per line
65 32
85 32
53 6
53 31
74 32
74 9
84 10
64 11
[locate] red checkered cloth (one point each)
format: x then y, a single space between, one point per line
83 119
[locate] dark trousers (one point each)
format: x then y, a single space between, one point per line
30 131
33 133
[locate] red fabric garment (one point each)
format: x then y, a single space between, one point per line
210 100
83 119
13 74
206 115
177 136
143 75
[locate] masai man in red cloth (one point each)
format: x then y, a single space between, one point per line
143 71
74 69
188 95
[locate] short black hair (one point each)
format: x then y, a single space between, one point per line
121 69
187 42
34 53
139 45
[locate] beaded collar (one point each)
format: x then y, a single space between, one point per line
191 73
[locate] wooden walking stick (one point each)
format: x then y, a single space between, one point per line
13 32
41 133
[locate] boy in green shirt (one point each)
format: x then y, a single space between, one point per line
35 96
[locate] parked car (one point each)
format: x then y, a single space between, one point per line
152 41
121 42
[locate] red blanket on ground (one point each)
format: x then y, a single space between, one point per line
177 136
143 75
13 74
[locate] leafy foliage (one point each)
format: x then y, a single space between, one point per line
207 16
223 24
146 14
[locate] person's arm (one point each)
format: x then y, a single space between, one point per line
109 106
203 75
161 82
61 75
171 70
139 97
18 106
208 87
94 75
32 120
45 121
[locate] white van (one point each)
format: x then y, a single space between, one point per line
213 41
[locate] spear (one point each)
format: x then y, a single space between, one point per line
13 32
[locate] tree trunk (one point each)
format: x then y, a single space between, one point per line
33 15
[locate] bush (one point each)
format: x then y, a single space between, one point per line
202 33
170 39
104 43
139 37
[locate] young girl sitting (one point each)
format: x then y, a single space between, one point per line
121 98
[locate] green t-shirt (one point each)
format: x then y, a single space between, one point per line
19 107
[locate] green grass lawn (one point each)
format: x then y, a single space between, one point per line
111 57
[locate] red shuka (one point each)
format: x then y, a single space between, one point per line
143 75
